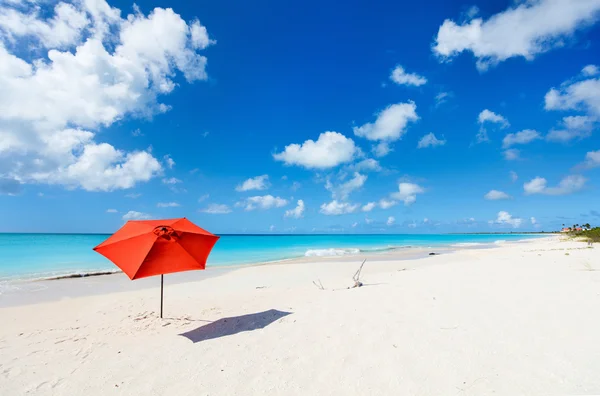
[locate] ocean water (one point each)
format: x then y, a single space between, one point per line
38 256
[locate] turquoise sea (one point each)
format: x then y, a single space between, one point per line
36 256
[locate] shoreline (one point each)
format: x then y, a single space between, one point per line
361 252
35 291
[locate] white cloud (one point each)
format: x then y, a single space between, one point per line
295 186
390 124
171 180
133 195
354 224
523 137
331 149
592 159
567 185
112 211
583 95
367 165
572 127
495 195
442 98
401 77
533 221
505 218
169 161
487 116
262 202
167 205
381 149
386 203
513 176
407 192
203 197
216 209
272 228
524 30
369 206
390 221
511 154
100 69
343 190
335 208
133 215
590 70
430 140
254 183
297 212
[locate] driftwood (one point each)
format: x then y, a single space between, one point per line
319 285
356 277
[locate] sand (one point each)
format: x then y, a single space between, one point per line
519 319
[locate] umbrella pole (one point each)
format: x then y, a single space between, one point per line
161 294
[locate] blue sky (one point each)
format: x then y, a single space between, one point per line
115 112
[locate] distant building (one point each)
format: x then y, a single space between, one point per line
566 229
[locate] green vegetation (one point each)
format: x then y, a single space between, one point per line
592 234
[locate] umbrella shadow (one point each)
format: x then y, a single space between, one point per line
237 324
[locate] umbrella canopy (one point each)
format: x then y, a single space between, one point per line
143 248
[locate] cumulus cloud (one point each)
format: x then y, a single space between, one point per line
430 140
171 180
567 185
489 117
367 165
297 212
335 208
495 195
262 202
387 203
112 211
254 183
390 123
167 205
505 218
100 69
382 149
216 209
592 159
407 192
401 77
369 206
523 137
525 30
590 70
331 149
343 190
581 95
169 161
390 221
571 128
133 215
511 154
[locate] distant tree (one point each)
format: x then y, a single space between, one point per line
587 225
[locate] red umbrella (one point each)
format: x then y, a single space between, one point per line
143 248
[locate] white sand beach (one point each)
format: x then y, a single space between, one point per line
518 319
